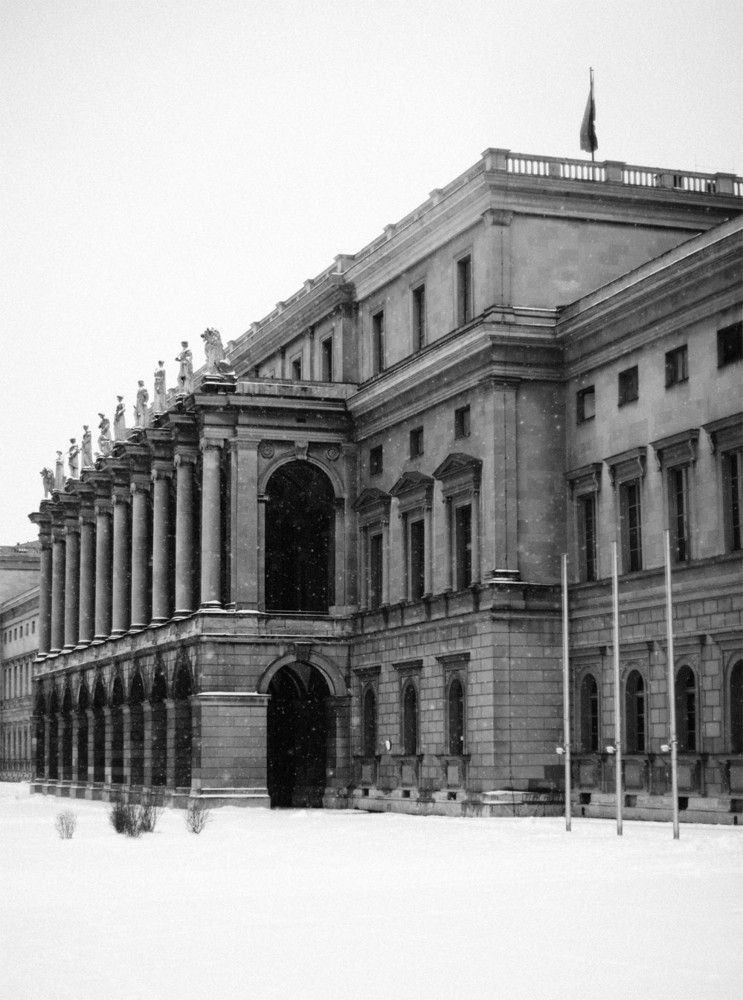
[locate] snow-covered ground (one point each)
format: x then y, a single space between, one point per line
312 904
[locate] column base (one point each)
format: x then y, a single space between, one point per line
98 639
134 628
210 606
159 621
116 633
83 644
183 613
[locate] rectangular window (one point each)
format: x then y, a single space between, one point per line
326 352
378 342
630 526
464 290
732 484
677 366
629 385
462 422
730 344
297 369
585 404
678 512
419 317
375 570
376 460
587 537
416 442
417 561
463 546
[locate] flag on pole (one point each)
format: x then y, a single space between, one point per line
588 140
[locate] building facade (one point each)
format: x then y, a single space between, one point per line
19 613
329 571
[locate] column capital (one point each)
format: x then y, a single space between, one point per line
121 495
211 444
139 484
185 457
161 472
102 505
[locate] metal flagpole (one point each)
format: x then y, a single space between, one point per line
593 113
617 689
566 691
671 687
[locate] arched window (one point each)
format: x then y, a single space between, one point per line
455 706
686 710
369 732
736 707
589 714
635 713
410 719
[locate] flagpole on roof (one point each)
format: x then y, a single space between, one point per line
588 139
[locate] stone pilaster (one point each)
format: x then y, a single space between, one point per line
211 524
108 729
147 727
73 721
244 523
170 744
126 754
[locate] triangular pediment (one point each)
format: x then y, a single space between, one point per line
371 497
456 463
411 482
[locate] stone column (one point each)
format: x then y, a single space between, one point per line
72 582
450 545
58 584
86 621
140 590
211 525
184 533
121 565
108 730
45 581
500 478
103 564
386 561
170 743
74 723
161 606
90 713
147 744
126 723
365 564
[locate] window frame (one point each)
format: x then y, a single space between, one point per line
417 442
419 316
414 494
730 344
677 374
465 289
590 713
462 422
377 341
628 385
327 348
376 460
588 392
687 709
635 712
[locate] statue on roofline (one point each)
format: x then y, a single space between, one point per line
120 420
73 459
160 401
104 438
140 409
59 472
185 372
216 358
47 478
87 448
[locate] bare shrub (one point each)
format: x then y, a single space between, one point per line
65 824
150 811
125 818
197 815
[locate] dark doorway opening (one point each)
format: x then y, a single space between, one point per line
136 731
159 730
297 737
117 733
300 553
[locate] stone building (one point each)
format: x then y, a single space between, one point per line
19 608
329 571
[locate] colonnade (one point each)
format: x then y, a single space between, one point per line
120 546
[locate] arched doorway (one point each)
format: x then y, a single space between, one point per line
297 736
117 732
300 532
136 729
159 729
83 704
67 735
54 735
99 732
182 708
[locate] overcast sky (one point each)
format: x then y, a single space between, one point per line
169 165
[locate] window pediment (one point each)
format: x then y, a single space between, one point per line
413 489
459 473
372 505
725 434
628 464
677 448
586 479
